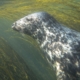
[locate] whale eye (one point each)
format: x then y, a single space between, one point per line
29 19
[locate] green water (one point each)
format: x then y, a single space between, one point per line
32 56
12 66
26 49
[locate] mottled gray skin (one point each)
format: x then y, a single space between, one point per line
60 44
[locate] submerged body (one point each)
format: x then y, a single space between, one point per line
60 44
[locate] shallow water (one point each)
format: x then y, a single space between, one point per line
67 13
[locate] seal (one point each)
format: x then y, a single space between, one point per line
60 44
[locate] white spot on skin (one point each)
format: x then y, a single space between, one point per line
58 68
77 64
68 60
78 73
42 45
50 54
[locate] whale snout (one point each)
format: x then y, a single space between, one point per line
15 27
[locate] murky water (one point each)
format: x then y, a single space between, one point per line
26 47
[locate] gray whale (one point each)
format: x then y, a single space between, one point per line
60 44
